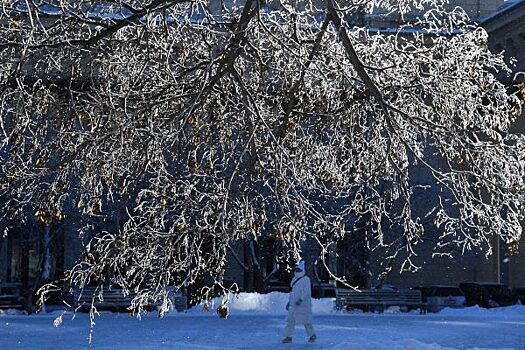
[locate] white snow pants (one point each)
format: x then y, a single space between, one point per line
290 326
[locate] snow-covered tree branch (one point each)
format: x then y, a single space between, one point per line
198 124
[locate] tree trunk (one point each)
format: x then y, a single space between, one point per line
45 267
4 268
24 276
248 273
46 260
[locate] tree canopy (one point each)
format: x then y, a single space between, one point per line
194 124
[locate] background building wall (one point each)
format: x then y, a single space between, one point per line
442 270
3 260
234 270
477 9
506 30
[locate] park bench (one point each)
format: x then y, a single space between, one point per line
323 290
378 300
11 296
115 299
109 298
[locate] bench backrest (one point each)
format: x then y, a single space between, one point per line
115 297
349 296
106 296
7 290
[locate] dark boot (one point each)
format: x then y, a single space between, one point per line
287 340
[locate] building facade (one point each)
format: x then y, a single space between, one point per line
506 29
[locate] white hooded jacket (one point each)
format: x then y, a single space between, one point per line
300 301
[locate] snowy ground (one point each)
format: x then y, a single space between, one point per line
256 322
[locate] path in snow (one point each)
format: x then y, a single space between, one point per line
452 329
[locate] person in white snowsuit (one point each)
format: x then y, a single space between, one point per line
299 305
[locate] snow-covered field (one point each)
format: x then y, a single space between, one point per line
256 322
